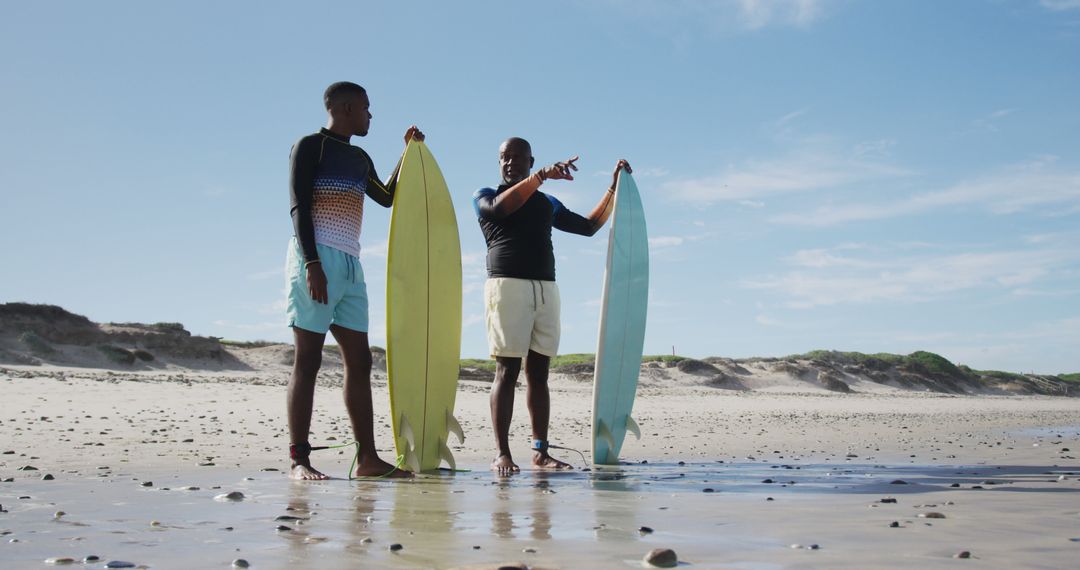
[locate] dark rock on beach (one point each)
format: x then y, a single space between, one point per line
661 558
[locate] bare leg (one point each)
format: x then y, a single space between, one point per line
356 353
502 411
301 396
539 399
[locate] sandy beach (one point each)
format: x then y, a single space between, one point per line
779 477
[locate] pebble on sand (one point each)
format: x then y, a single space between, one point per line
894 524
661 558
59 560
91 559
962 554
931 515
119 564
230 496
58 514
395 547
47 477
240 563
147 484
645 530
283 528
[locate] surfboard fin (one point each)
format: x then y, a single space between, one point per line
632 427
406 431
412 461
446 455
454 427
410 444
604 434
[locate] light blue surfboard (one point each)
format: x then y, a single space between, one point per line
622 325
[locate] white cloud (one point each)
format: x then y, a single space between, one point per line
821 258
649 172
1019 188
828 277
989 123
1059 5
799 172
377 250
660 242
756 14
472 319
765 321
724 14
880 148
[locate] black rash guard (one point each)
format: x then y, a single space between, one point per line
327 183
519 244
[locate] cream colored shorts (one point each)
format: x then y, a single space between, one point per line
521 315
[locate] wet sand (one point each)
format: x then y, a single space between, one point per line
1002 471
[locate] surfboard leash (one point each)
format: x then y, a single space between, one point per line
356 458
541 445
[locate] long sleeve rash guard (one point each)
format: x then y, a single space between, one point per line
328 181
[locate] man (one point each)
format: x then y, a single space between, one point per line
326 290
521 298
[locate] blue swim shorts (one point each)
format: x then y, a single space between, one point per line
347 301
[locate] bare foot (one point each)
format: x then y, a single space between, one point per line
504 465
378 468
542 460
306 473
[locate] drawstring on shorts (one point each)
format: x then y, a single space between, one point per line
543 301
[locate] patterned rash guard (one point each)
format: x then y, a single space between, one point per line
329 178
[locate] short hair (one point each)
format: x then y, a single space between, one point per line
516 141
339 91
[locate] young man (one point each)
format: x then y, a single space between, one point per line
521 298
326 290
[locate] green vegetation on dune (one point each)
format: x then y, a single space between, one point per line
934 363
247 343
999 374
667 358
1074 377
568 359
482 364
928 361
853 357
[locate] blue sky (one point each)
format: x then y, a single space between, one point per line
872 176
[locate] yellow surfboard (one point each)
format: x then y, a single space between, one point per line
423 313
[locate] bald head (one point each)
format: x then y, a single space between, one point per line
515 160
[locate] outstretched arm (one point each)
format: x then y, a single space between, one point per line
383 194
492 207
568 221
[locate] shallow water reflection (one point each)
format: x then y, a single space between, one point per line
714 512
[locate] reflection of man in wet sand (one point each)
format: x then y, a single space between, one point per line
521 298
326 290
